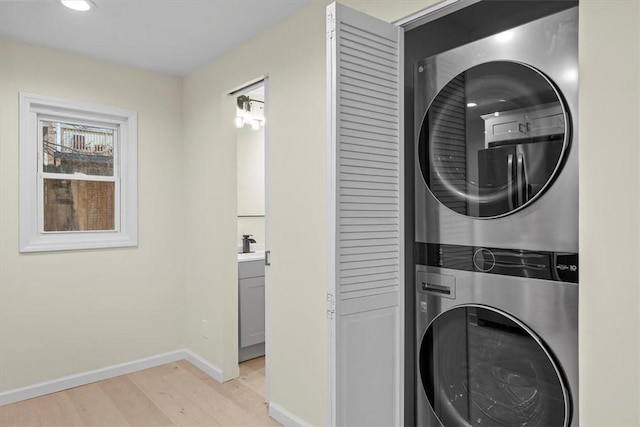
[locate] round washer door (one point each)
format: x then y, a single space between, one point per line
482 367
493 139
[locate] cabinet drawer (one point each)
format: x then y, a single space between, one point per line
251 299
251 269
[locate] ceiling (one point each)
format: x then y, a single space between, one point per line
170 36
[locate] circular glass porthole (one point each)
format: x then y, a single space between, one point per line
493 139
482 367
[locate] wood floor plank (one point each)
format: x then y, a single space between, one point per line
254 380
253 365
217 405
173 394
252 374
246 398
94 407
171 401
20 414
136 408
57 409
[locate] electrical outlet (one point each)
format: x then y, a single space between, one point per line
204 329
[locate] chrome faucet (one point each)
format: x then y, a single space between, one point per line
246 243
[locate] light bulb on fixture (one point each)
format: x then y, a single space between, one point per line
79 5
246 114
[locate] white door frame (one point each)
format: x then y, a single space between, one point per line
267 243
251 85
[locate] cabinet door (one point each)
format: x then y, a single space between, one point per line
504 127
533 122
249 269
251 311
365 217
546 121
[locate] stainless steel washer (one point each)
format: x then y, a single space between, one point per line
496 350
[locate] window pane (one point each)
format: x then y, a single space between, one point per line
70 148
71 205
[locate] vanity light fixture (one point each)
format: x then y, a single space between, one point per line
244 114
79 5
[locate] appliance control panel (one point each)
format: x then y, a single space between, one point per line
556 266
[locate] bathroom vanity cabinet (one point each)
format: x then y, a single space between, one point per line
251 309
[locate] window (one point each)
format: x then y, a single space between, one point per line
78 175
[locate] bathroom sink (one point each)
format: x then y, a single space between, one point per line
251 256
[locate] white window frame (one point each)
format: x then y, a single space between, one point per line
33 238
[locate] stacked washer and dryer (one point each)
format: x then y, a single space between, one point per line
496 229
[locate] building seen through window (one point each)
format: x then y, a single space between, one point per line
79 180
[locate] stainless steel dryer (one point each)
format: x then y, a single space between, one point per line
496 229
496 142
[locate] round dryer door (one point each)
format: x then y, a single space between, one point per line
482 367
493 139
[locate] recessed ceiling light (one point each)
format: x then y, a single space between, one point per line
471 104
80 5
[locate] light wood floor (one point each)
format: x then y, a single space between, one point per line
176 394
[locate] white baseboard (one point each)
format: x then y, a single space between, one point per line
211 370
64 383
285 417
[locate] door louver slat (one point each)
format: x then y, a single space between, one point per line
380 87
367 102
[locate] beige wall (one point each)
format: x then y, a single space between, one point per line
80 320
68 312
292 54
250 167
609 213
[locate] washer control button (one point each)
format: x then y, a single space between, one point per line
423 306
484 260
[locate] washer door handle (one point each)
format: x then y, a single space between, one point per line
440 285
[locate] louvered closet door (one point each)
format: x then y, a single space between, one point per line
364 291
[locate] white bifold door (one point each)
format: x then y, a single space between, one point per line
364 292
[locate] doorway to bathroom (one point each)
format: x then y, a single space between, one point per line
252 234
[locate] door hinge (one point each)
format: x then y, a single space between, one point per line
331 306
331 25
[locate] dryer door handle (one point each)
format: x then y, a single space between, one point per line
440 289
